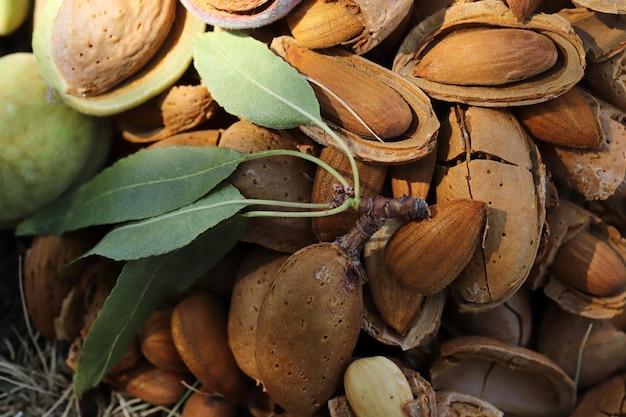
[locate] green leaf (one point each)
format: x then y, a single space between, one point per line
144 184
248 80
140 289
172 230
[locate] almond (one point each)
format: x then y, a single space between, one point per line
381 107
320 24
428 255
375 386
570 119
487 57
589 264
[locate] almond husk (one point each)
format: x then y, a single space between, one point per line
567 71
603 6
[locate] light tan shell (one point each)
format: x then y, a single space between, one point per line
453 404
594 173
97 45
604 6
565 222
516 380
568 70
603 35
561 336
415 143
606 398
513 189
180 108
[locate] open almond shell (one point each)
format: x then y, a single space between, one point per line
567 71
416 142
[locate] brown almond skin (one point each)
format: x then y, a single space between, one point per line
200 404
157 344
589 265
567 120
46 281
487 57
382 108
308 327
199 331
309 23
427 255
151 384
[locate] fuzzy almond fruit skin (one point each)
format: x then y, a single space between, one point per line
427 255
376 386
589 265
381 107
308 327
199 331
487 57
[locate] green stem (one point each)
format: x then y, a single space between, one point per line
321 213
314 159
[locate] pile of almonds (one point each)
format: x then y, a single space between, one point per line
507 117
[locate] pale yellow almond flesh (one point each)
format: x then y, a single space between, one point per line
375 387
487 57
97 45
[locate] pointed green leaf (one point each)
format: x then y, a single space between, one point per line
248 80
140 289
172 230
144 184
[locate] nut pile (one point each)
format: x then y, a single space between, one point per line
507 117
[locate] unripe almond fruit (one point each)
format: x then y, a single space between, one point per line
308 327
487 57
589 264
428 255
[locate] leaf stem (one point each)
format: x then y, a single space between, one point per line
321 213
298 154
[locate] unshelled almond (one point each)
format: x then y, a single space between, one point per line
487 57
589 264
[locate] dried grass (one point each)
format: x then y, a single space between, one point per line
36 382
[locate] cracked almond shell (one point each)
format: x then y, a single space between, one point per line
416 142
504 170
516 380
166 65
493 15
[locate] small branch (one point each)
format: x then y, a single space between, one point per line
374 213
